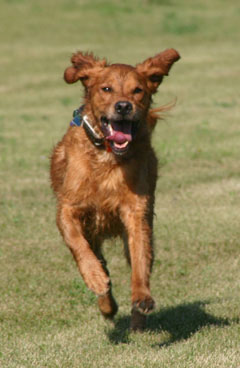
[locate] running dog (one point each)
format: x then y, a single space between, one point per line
104 173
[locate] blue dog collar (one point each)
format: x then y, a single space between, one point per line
77 117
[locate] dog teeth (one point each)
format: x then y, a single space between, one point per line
123 145
110 128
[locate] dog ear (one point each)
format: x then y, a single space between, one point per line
83 66
154 69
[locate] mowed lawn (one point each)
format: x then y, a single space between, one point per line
47 316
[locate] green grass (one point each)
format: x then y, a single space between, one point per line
47 316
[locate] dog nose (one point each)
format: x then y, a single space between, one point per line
123 107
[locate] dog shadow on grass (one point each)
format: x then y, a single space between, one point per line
179 322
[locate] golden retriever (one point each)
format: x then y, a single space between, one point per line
104 173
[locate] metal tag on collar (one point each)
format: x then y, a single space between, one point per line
97 140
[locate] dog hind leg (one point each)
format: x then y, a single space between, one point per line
106 303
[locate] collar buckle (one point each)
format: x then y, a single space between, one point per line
95 138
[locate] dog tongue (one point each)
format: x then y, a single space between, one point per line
120 137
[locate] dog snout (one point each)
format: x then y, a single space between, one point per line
123 107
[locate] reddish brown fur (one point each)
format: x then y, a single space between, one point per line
100 194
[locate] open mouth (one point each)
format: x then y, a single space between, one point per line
118 133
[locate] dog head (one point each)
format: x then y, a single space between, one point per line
119 95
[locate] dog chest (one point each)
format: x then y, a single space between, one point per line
96 221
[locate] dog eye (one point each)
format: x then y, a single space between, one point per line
107 89
137 90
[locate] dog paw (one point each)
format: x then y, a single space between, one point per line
96 279
99 284
144 306
107 305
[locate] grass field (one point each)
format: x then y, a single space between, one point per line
47 316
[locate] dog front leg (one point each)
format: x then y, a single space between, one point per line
89 266
139 233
